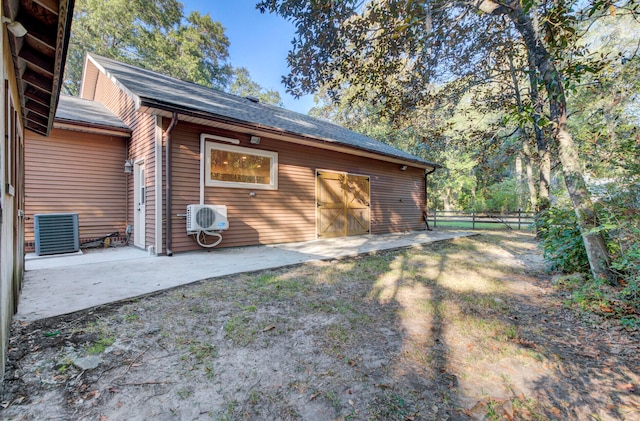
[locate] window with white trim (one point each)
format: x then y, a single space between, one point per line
239 167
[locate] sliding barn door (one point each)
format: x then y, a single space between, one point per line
343 204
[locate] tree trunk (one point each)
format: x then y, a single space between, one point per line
531 183
544 154
587 218
545 164
446 199
585 211
519 178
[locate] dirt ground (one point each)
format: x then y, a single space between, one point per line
464 329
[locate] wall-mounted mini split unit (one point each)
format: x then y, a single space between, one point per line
206 218
56 233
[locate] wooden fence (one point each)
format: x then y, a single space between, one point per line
480 220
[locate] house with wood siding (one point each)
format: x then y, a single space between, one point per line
281 176
78 169
34 39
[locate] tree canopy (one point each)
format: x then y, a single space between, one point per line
405 54
242 85
156 35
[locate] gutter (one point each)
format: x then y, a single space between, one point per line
172 125
91 128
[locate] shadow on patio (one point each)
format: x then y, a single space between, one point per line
65 284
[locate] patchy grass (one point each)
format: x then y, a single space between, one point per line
589 297
464 329
100 345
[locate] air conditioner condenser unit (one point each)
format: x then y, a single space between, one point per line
206 218
56 233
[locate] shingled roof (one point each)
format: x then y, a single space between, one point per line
76 110
156 91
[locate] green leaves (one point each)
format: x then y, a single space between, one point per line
242 85
561 240
150 34
527 5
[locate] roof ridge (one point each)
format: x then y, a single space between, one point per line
178 80
153 89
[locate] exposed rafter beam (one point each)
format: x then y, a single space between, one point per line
37 108
51 5
31 116
39 56
37 60
35 33
39 81
38 96
38 128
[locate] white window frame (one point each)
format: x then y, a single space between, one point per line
273 161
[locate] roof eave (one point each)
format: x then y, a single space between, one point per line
61 123
39 76
149 104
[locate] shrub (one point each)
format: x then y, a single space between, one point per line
561 240
562 246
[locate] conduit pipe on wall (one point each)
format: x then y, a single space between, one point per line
167 161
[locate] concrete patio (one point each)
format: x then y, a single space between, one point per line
68 283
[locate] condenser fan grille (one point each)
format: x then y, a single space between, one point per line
205 217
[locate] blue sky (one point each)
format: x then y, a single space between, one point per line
259 42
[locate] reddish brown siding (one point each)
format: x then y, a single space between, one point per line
141 146
288 214
77 172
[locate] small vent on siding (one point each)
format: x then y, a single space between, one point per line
56 233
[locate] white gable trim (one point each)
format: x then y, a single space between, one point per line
89 59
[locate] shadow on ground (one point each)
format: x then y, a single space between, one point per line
463 329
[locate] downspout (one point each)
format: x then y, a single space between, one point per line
126 192
426 197
172 125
